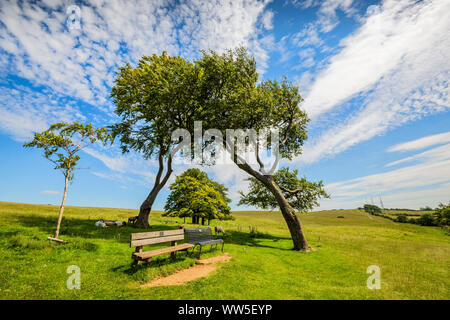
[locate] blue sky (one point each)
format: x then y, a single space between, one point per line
374 76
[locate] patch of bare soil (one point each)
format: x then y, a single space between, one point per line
200 270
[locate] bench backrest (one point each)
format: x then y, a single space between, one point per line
145 238
198 234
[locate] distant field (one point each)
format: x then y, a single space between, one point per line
410 214
414 260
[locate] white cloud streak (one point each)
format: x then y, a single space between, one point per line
397 62
431 175
422 143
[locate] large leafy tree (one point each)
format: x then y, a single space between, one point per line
236 100
195 195
61 144
153 99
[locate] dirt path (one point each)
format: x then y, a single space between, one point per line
202 269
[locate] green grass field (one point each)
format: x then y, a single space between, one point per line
414 260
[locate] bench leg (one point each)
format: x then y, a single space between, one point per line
149 260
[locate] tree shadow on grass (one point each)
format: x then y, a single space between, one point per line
158 263
84 228
262 240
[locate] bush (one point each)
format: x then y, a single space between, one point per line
372 209
401 218
442 214
426 219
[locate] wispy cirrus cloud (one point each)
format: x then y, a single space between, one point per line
422 143
396 64
36 43
425 182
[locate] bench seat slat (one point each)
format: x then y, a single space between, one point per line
148 254
155 234
144 242
209 242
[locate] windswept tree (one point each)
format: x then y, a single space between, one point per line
153 99
196 196
236 100
61 144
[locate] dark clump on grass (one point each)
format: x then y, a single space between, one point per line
20 241
38 242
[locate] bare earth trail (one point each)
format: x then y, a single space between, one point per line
202 269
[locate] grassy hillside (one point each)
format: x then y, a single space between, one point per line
414 260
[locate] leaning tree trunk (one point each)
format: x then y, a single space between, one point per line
145 209
146 206
294 225
289 215
61 208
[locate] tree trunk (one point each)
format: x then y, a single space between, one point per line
203 221
61 208
294 225
146 206
289 215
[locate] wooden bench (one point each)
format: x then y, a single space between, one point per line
138 240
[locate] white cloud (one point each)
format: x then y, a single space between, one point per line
436 154
397 61
81 63
23 111
400 186
422 143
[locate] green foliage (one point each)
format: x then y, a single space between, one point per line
426 219
236 100
304 198
442 214
372 209
158 96
195 194
401 218
62 141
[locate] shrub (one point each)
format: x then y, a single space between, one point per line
401 218
442 214
426 219
412 220
372 209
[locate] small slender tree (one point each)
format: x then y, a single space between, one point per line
61 144
195 195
